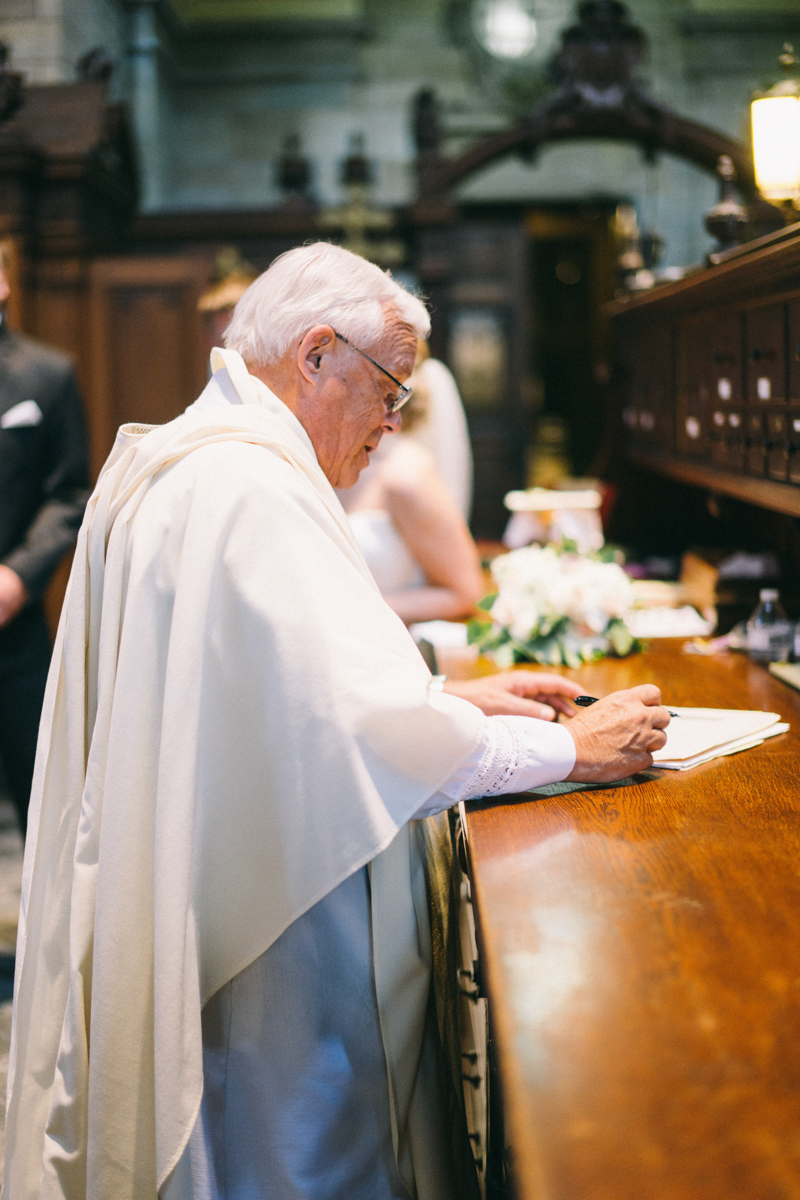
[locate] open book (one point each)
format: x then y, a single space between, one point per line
696 735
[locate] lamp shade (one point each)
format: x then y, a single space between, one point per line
506 28
776 146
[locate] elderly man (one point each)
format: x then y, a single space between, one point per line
224 943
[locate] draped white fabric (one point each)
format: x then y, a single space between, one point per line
235 722
445 434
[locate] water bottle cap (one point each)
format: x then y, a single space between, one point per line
768 594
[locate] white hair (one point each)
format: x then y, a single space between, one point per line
320 284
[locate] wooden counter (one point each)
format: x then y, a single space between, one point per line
641 953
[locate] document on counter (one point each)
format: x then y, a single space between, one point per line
696 735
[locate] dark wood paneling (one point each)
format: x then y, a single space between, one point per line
693 395
736 366
56 307
148 361
762 492
647 364
765 350
793 338
761 274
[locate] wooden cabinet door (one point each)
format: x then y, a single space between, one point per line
720 354
765 333
793 333
146 343
646 360
710 386
693 393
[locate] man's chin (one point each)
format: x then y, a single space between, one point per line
348 476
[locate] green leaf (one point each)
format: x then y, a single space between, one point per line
476 631
486 603
570 658
620 637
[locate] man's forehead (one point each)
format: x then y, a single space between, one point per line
399 346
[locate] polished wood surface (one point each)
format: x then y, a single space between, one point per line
642 956
780 497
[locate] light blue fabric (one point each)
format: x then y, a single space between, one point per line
296 1101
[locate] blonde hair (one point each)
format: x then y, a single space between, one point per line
320 284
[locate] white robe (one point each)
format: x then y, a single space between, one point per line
235 723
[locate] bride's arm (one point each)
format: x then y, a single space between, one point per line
438 538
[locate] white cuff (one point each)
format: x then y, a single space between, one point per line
515 754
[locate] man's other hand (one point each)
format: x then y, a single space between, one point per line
518 694
13 594
617 736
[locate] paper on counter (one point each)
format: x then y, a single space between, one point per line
697 735
787 672
745 743
661 621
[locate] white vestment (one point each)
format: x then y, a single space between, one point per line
235 723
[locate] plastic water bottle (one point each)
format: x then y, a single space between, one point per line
769 634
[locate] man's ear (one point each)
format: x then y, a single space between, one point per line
312 351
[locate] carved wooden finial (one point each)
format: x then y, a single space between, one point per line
95 65
10 85
427 122
600 53
294 172
728 221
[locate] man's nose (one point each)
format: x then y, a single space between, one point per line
393 422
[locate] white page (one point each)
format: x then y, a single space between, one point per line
745 743
697 730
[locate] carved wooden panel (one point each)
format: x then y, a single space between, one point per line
648 367
765 347
148 362
793 357
736 402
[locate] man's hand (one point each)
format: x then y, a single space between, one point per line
617 736
518 694
13 594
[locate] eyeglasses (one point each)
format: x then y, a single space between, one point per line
394 404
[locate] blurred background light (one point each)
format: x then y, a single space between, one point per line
506 28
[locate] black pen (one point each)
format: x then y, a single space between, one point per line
585 701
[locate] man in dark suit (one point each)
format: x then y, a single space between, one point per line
43 492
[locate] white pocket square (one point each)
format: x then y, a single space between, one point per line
27 412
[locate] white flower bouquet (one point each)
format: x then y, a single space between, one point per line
555 606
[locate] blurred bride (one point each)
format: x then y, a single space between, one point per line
409 508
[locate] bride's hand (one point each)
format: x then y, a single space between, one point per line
518 694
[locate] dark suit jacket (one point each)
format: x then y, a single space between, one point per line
44 477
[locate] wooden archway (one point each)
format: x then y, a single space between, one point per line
597 96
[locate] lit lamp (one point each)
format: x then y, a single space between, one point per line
776 137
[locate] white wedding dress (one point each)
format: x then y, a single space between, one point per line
445 434
388 557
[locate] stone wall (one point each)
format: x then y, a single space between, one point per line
47 37
213 108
